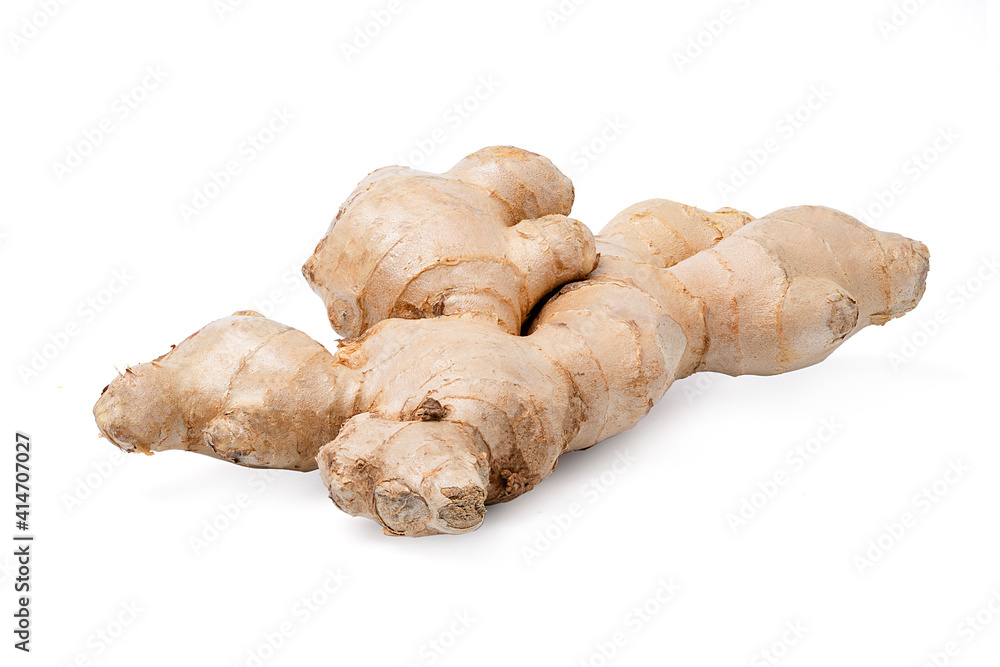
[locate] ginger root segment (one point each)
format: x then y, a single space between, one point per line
373 478
244 389
782 292
490 237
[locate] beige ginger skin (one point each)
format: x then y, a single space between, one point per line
490 236
418 424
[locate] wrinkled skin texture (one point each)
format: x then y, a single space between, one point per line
443 416
767 297
489 237
244 389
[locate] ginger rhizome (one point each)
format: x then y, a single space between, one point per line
431 412
245 389
777 294
490 237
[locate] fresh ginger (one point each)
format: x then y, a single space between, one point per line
245 389
418 424
490 237
778 294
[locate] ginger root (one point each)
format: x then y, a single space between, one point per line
778 294
244 389
435 407
490 237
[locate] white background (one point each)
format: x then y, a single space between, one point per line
603 91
